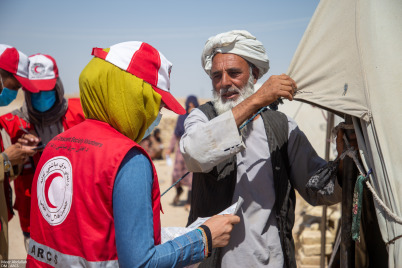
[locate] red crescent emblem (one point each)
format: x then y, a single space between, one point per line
35 69
47 186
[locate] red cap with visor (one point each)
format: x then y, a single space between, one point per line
145 62
43 72
16 62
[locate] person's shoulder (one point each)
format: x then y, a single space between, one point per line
137 155
11 122
74 113
207 108
9 117
196 116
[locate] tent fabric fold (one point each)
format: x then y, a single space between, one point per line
350 61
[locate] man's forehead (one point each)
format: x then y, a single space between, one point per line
228 60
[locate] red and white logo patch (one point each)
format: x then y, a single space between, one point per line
55 189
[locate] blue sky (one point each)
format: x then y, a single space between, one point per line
67 30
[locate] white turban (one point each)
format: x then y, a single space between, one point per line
238 42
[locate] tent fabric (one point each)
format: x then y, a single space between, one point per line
349 61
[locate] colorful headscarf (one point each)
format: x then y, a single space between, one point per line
124 101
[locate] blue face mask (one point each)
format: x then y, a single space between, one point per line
43 100
7 95
152 126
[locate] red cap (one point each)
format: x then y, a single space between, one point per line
145 62
43 72
16 62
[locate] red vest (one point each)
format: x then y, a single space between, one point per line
11 124
71 213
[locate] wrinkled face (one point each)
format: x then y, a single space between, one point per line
232 81
229 71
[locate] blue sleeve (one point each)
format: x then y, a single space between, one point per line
133 216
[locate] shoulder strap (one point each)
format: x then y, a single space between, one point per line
227 167
277 128
209 110
276 124
212 191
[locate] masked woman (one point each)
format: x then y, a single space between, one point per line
45 114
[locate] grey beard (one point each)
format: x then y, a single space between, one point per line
222 106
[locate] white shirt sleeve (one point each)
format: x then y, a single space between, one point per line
216 140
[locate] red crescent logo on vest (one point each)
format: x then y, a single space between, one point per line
48 182
55 189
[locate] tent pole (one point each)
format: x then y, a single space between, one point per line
330 125
347 253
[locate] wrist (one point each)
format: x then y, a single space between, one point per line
6 162
204 241
208 238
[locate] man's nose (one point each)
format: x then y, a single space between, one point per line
226 82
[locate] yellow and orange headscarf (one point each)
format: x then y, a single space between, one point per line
124 101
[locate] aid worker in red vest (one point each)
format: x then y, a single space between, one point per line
96 198
45 114
13 76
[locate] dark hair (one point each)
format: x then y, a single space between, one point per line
5 73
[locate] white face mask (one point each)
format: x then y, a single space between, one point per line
153 125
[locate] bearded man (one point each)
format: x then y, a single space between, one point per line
262 163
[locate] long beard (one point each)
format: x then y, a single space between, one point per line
224 105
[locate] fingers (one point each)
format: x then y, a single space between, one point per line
277 86
289 85
18 153
287 78
233 219
28 150
28 139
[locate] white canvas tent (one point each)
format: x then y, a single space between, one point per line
350 62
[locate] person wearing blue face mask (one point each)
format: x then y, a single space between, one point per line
45 114
13 76
43 100
7 95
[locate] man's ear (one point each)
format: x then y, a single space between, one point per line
255 72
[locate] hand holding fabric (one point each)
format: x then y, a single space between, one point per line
277 86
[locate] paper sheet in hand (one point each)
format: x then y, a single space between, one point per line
169 233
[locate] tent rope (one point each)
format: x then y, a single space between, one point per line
352 153
392 215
